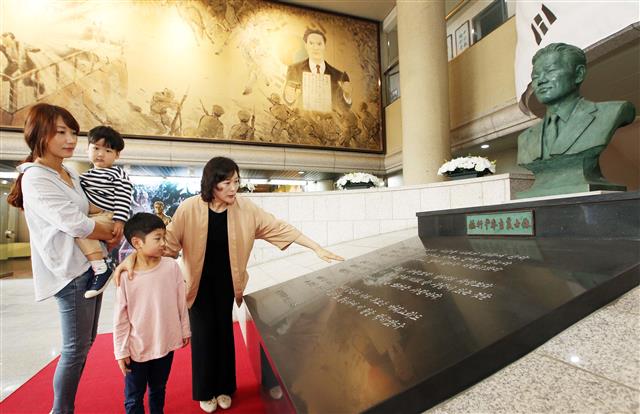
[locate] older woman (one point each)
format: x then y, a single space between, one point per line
56 210
216 231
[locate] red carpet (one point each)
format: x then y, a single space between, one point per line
102 385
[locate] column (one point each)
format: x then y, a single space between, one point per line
424 88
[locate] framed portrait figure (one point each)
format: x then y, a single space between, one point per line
463 37
249 71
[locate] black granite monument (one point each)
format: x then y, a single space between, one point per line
408 326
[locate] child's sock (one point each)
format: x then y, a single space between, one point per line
99 266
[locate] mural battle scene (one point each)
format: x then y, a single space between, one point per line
226 70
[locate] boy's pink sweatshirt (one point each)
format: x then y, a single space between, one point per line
150 316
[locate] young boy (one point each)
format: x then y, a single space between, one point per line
109 190
150 317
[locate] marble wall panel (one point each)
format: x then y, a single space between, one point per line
406 203
339 231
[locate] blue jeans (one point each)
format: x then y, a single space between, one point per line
155 373
79 322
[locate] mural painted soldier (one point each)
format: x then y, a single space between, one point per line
330 129
370 126
350 131
210 124
294 131
161 103
281 113
245 129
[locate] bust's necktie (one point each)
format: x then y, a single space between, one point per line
550 134
317 68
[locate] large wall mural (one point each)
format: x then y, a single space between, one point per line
225 70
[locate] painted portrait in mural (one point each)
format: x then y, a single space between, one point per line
222 70
313 83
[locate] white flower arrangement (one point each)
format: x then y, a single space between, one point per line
467 164
358 177
247 187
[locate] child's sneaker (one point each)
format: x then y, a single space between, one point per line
98 283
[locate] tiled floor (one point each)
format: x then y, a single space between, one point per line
592 367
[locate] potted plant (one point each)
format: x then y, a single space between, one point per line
357 180
246 187
467 167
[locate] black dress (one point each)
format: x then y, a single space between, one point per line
213 359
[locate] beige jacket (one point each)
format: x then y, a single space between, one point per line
245 221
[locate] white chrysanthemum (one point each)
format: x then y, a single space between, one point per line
358 177
249 186
467 163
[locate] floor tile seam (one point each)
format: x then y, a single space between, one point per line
281 261
265 273
379 246
288 266
608 309
263 263
306 265
612 309
365 246
494 375
469 390
578 368
275 259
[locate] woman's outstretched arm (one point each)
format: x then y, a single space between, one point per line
322 253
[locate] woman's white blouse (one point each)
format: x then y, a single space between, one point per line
56 214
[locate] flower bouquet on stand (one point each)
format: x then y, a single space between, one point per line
467 167
357 180
246 187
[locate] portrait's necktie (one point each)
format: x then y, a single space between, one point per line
317 68
550 134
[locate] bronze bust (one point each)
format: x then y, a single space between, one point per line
562 150
158 206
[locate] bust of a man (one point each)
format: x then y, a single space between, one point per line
563 149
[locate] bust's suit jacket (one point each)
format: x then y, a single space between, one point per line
294 74
591 125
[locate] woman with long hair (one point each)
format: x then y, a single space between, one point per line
56 208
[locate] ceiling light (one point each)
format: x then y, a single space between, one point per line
300 172
484 146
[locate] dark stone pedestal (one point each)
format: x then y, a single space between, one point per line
408 326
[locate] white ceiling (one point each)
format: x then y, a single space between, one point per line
369 9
